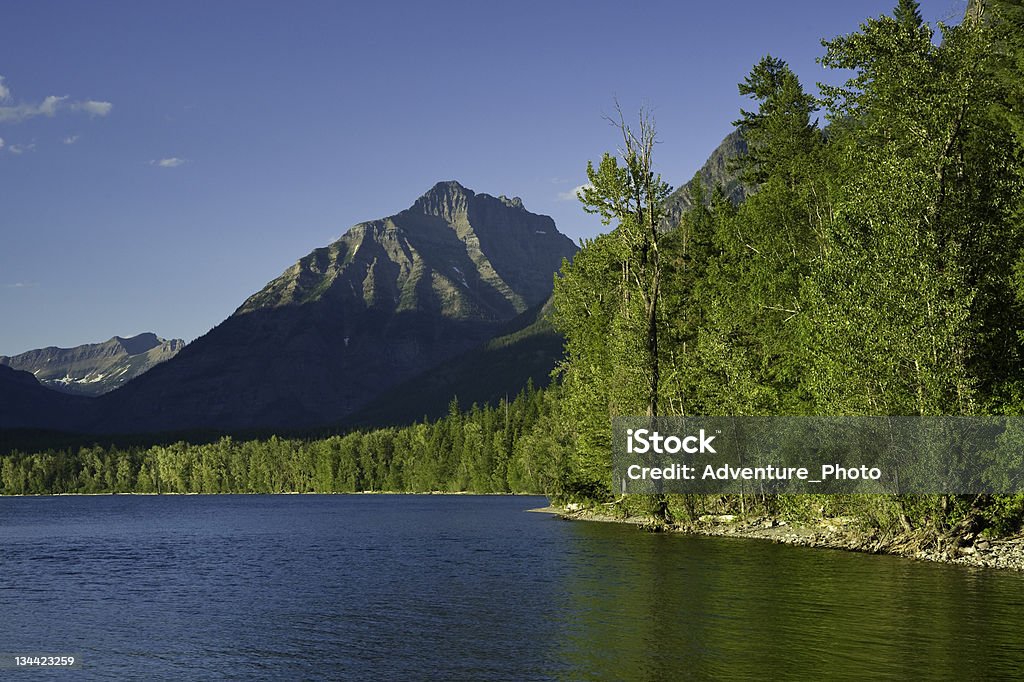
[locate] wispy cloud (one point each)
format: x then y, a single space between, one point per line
50 106
573 194
70 139
170 162
21 148
21 285
1 143
23 111
93 108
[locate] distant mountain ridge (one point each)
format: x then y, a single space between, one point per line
95 368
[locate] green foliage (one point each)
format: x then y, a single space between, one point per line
632 198
1004 515
1006 26
780 135
875 269
607 306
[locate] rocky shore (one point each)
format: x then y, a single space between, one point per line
834 533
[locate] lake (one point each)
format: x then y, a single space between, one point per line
464 587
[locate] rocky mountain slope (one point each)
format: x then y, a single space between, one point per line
95 368
390 299
717 170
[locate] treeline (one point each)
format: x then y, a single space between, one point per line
485 450
877 267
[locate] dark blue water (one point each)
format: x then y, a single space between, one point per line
433 587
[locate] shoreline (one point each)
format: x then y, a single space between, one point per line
841 533
836 533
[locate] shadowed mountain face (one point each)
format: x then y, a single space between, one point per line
527 350
388 300
95 368
27 404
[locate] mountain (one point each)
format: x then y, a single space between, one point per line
716 171
388 300
529 348
95 368
27 404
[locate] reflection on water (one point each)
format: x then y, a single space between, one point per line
393 587
722 607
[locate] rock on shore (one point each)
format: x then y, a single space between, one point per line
833 533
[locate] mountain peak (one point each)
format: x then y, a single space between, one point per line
140 343
445 199
449 187
451 199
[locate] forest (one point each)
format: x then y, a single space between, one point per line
484 450
876 267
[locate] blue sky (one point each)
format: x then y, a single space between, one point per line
162 161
